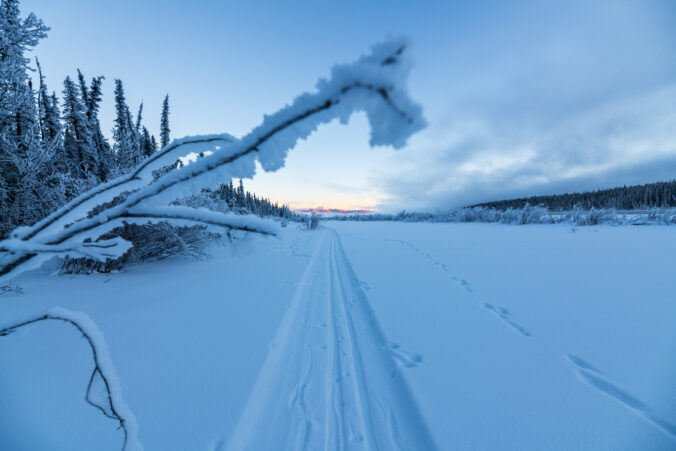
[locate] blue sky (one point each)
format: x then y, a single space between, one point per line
522 97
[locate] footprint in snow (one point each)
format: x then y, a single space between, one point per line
405 358
506 316
465 284
597 380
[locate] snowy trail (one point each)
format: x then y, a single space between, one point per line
331 381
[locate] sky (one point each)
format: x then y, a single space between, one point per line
522 97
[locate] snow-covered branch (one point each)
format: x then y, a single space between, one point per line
103 389
140 176
98 250
374 84
230 221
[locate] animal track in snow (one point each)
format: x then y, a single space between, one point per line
501 313
462 282
506 316
597 380
405 358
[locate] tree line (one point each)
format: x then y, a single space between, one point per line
53 149
237 199
650 195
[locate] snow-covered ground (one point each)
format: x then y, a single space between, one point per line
362 336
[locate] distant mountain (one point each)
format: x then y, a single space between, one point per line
660 194
338 211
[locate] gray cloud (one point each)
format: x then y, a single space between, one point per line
626 141
583 101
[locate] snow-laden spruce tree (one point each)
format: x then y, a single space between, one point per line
92 97
19 128
374 84
164 122
78 136
126 148
48 112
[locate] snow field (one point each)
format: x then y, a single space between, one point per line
363 336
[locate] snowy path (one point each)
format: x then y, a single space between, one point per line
331 381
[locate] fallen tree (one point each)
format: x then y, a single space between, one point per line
374 84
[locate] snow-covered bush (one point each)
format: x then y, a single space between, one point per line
151 242
662 216
534 215
594 216
313 221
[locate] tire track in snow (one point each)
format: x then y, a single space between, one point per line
331 381
597 380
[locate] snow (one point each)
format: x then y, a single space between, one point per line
446 336
462 295
329 372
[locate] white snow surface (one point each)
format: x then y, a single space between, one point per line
363 336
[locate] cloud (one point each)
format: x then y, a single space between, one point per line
469 160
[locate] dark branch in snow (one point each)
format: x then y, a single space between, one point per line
112 412
11 288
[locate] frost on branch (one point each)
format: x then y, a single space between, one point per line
141 175
374 84
103 390
99 250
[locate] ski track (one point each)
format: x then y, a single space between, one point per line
597 380
331 381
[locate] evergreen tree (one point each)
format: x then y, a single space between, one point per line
61 163
164 125
240 194
102 148
135 139
84 92
16 102
126 149
48 112
16 97
147 143
139 118
78 140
